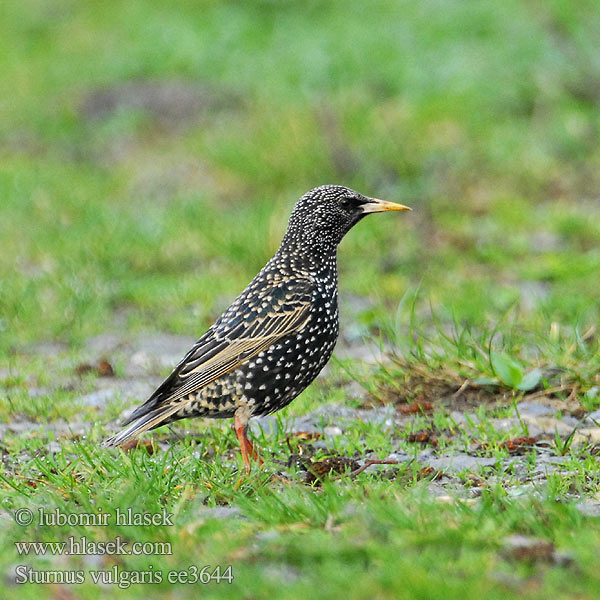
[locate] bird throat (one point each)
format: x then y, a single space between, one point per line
316 256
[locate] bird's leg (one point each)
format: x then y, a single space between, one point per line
240 424
240 432
251 450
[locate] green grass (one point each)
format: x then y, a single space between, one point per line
388 537
482 116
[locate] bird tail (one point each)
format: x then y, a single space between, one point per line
152 418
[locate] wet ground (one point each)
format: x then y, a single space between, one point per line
434 440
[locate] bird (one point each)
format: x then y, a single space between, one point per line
275 337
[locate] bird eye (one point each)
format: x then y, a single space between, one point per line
345 202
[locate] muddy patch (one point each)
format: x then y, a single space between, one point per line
171 103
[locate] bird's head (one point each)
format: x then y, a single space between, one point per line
323 216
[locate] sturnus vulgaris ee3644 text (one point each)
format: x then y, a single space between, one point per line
276 336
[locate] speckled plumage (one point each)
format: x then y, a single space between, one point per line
276 336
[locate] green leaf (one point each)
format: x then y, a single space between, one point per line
530 380
509 371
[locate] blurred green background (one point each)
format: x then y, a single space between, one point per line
150 154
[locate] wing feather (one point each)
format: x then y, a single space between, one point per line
270 314
249 342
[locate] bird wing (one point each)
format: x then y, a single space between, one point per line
244 331
250 325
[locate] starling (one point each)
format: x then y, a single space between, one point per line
276 336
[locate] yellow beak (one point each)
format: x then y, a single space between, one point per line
374 206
